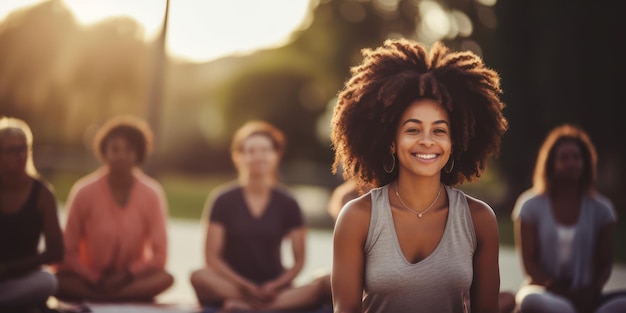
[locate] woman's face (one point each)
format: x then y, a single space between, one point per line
568 162
14 153
258 155
423 143
119 154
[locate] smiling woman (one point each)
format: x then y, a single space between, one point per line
198 31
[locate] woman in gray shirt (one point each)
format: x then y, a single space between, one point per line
565 230
413 123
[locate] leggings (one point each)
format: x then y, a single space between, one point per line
30 289
535 299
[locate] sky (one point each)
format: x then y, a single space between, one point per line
198 30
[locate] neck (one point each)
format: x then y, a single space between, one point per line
12 181
257 184
565 188
420 192
120 179
418 186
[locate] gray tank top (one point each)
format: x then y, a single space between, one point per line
437 284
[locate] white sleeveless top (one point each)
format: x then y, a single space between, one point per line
565 237
437 284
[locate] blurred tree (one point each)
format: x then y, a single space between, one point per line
64 79
561 62
291 86
34 44
109 74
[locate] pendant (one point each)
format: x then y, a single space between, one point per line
419 215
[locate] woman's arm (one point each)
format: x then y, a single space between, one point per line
604 256
53 237
214 245
586 298
298 246
349 238
74 233
157 236
485 287
527 245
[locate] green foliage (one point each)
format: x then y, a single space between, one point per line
186 196
62 183
505 227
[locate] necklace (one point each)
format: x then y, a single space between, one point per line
419 214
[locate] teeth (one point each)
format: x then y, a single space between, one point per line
425 156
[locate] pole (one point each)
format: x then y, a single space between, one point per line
154 105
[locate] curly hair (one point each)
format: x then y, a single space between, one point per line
393 76
543 177
135 130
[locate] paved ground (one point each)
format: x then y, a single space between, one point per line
185 255
186 240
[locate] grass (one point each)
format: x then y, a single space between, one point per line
505 226
186 196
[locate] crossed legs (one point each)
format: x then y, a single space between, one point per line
214 290
141 288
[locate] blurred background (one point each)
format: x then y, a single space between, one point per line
197 70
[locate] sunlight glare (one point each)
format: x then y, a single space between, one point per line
435 21
8 6
148 14
228 26
198 30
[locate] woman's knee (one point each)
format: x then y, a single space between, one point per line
544 303
201 277
323 285
47 284
614 305
196 278
166 279
34 287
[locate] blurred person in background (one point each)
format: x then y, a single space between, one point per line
115 235
565 230
28 210
413 122
342 194
247 221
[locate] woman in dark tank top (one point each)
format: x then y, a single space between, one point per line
247 222
27 211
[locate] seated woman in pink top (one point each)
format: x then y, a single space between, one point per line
115 236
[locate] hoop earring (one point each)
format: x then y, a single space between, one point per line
393 164
448 171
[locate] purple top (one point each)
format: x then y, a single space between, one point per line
252 245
